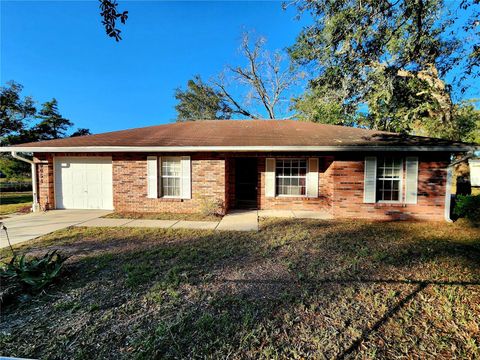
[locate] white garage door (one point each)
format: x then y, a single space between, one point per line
83 183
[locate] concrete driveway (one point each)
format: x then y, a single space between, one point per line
26 227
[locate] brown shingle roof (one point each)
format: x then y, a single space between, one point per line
243 133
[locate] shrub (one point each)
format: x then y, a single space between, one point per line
468 206
35 273
211 207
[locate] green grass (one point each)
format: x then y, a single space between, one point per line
163 216
13 202
16 179
296 289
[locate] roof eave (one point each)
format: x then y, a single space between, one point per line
337 148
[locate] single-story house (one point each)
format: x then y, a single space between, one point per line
263 164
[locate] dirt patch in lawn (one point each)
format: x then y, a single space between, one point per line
163 216
296 289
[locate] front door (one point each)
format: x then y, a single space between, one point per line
246 183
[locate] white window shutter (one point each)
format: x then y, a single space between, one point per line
152 177
312 177
160 180
370 179
270 177
411 180
186 184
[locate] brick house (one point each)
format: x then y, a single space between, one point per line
262 164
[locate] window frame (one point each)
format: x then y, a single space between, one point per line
400 180
162 176
290 177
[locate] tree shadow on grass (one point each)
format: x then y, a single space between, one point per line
296 288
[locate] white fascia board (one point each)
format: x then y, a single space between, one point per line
92 149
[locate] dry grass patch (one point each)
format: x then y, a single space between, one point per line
296 289
163 216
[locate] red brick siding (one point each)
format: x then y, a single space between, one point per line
348 183
341 179
322 203
130 185
230 185
45 181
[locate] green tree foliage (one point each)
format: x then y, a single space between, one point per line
467 123
52 124
12 168
199 101
14 110
81 132
110 15
21 123
386 56
472 27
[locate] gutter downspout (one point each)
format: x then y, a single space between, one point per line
35 205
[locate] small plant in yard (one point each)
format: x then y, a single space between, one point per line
35 273
211 207
468 206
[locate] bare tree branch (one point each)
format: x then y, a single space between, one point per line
237 108
263 77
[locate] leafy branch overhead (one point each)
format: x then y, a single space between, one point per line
110 16
261 88
382 63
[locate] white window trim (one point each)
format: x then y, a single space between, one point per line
162 176
400 200
290 177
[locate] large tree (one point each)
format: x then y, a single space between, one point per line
379 63
20 122
15 111
259 88
52 124
200 101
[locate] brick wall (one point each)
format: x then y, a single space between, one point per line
322 203
45 181
130 184
230 186
341 179
348 179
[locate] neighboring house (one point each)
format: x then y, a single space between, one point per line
264 164
474 172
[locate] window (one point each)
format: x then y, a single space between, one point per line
291 177
171 176
389 179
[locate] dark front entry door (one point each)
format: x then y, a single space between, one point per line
246 182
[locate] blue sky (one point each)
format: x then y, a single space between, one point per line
59 49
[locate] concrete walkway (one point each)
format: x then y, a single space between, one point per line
240 221
26 227
30 226
235 221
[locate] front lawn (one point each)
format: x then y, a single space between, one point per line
296 289
14 202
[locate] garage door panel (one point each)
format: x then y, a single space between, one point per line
83 183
